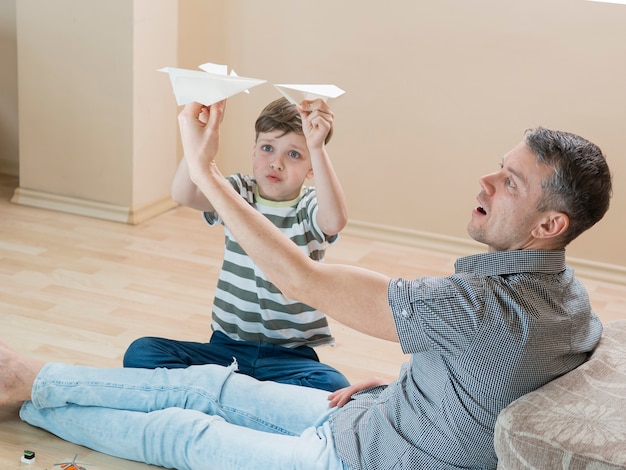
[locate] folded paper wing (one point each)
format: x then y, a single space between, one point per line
208 86
297 93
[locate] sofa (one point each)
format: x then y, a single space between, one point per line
575 422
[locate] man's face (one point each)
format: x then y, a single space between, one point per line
507 215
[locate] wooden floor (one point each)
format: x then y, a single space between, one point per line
79 290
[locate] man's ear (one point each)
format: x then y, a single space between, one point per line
552 225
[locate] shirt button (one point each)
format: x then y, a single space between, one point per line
399 284
404 313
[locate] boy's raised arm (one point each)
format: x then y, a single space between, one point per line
317 119
353 296
185 192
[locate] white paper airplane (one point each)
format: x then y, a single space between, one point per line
208 86
297 93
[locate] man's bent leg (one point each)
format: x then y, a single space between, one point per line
211 389
185 439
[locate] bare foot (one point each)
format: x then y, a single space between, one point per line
17 374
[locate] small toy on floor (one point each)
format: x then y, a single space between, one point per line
73 465
28 457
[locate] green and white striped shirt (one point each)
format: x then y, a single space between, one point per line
247 306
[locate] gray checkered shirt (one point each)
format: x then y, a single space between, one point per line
503 325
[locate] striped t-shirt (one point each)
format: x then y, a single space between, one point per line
247 306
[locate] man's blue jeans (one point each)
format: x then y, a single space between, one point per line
202 417
263 361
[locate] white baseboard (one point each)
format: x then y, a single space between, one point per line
88 208
462 247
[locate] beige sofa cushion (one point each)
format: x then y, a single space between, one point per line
577 421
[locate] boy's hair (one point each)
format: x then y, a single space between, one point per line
283 116
580 185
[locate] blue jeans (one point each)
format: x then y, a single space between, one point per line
201 417
263 361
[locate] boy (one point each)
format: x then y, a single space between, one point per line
269 336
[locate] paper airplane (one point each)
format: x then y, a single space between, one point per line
296 93
208 86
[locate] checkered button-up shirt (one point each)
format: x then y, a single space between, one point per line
503 325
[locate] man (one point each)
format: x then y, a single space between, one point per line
506 322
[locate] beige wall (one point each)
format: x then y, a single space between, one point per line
8 89
437 92
96 135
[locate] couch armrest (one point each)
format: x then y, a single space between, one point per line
577 421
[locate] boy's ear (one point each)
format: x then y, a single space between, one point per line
309 174
553 225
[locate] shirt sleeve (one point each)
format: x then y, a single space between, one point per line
244 185
435 313
309 202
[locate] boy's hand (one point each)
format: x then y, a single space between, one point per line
317 119
200 133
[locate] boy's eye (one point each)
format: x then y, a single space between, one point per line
293 154
266 148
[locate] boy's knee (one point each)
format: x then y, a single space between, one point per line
336 381
136 352
329 381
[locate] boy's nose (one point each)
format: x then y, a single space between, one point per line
276 164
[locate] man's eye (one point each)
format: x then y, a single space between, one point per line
509 183
294 154
266 148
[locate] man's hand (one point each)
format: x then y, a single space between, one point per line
200 134
343 395
317 119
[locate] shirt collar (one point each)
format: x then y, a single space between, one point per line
266 202
500 263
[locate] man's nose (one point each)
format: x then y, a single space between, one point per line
487 183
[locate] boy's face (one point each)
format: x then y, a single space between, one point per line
280 165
